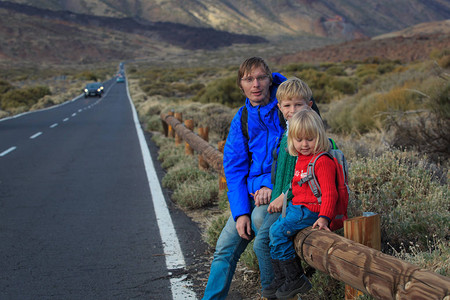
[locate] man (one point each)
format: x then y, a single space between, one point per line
247 164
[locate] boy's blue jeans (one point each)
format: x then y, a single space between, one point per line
262 248
229 248
297 218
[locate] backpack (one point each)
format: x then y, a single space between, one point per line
341 184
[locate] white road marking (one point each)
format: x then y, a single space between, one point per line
172 250
66 119
74 114
7 151
54 125
35 135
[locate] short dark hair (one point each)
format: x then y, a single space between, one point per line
249 64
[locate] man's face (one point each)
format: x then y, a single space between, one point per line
290 106
255 86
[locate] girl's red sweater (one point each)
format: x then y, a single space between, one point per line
325 171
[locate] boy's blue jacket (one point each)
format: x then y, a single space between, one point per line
247 164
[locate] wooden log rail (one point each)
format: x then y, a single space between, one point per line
212 156
368 270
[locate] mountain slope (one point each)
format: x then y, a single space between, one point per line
413 43
28 33
346 19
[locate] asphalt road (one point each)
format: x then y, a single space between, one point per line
77 212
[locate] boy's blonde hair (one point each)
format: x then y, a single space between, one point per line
307 124
294 87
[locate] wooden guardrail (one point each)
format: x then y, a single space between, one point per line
371 271
212 156
368 270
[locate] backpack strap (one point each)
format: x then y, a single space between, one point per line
311 179
333 144
244 122
273 170
285 196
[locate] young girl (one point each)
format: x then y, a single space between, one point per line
306 139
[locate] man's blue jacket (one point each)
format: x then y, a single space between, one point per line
247 163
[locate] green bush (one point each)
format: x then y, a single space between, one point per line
184 172
336 70
223 91
399 186
194 194
170 156
88 75
4 87
249 258
324 287
299 67
343 85
25 97
154 123
215 228
435 258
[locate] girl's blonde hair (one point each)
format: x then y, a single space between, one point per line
307 123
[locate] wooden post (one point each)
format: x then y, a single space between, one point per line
222 180
178 139
165 127
364 230
170 131
187 148
203 132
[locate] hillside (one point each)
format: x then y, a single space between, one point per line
395 47
342 19
28 33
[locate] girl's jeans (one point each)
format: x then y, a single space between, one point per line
229 248
297 218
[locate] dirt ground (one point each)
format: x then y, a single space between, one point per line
245 284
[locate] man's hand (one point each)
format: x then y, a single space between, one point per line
276 205
262 196
243 226
322 223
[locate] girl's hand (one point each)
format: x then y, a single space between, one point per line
322 223
276 205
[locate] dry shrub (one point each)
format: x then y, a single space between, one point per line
218 118
410 198
194 195
427 131
339 115
215 228
435 258
187 170
423 131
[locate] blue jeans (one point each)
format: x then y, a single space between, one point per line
229 248
262 249
297 218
